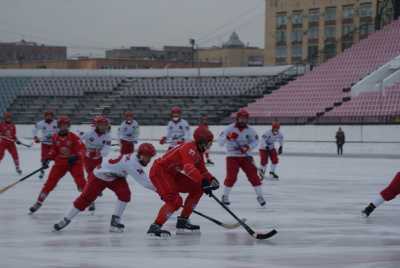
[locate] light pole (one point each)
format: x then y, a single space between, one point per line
192 44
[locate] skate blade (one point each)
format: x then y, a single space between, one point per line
159 237
187 232
116 230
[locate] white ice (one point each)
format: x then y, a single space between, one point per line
315 207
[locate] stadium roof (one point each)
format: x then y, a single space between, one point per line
189 72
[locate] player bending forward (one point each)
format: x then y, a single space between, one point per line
182 170
8 139
267 150
66 152
178 129
239 139
388 194
112 175
47 127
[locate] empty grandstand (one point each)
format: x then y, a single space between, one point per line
311 97
149 93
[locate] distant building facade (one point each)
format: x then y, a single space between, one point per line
171 53
23 51
311 31
233 53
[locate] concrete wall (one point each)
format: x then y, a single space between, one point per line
374 134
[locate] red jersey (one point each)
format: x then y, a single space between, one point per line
187 160
8 132
65 146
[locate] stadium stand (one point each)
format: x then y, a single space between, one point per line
328 86
148 93
10 87
372 107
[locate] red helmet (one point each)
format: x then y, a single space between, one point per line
128 114
203 134
100 119
47 113
276 125
176 110
242 113
7 115
63 120
147 149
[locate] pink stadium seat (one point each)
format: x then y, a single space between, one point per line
320 89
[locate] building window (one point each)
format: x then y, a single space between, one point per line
348 12
347 31
281 52
330 32
297 51
313 15
297 19
330 51
313 53
281 37
366 10
330 13
365 29
297 36
281 20
313 33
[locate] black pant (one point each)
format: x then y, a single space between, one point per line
340 149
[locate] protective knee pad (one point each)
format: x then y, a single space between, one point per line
174 201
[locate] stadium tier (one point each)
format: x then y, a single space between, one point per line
319 93
149 94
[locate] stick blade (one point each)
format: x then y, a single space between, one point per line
262 236
7 187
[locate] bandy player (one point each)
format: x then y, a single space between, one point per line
178 129
47 127
8 139
96 145
128 134
182 170
387 194
239 139
66 152
112 174
267 149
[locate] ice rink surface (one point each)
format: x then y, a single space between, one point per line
315 207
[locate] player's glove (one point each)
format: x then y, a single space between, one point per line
163 140
72 160
232 136
244 149
209 186
36 139
280 150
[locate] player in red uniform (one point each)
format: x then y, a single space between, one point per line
182 170
388 194
66 152
8 139
204 123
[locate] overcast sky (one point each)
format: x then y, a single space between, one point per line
90 26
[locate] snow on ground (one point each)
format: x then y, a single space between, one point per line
315 207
